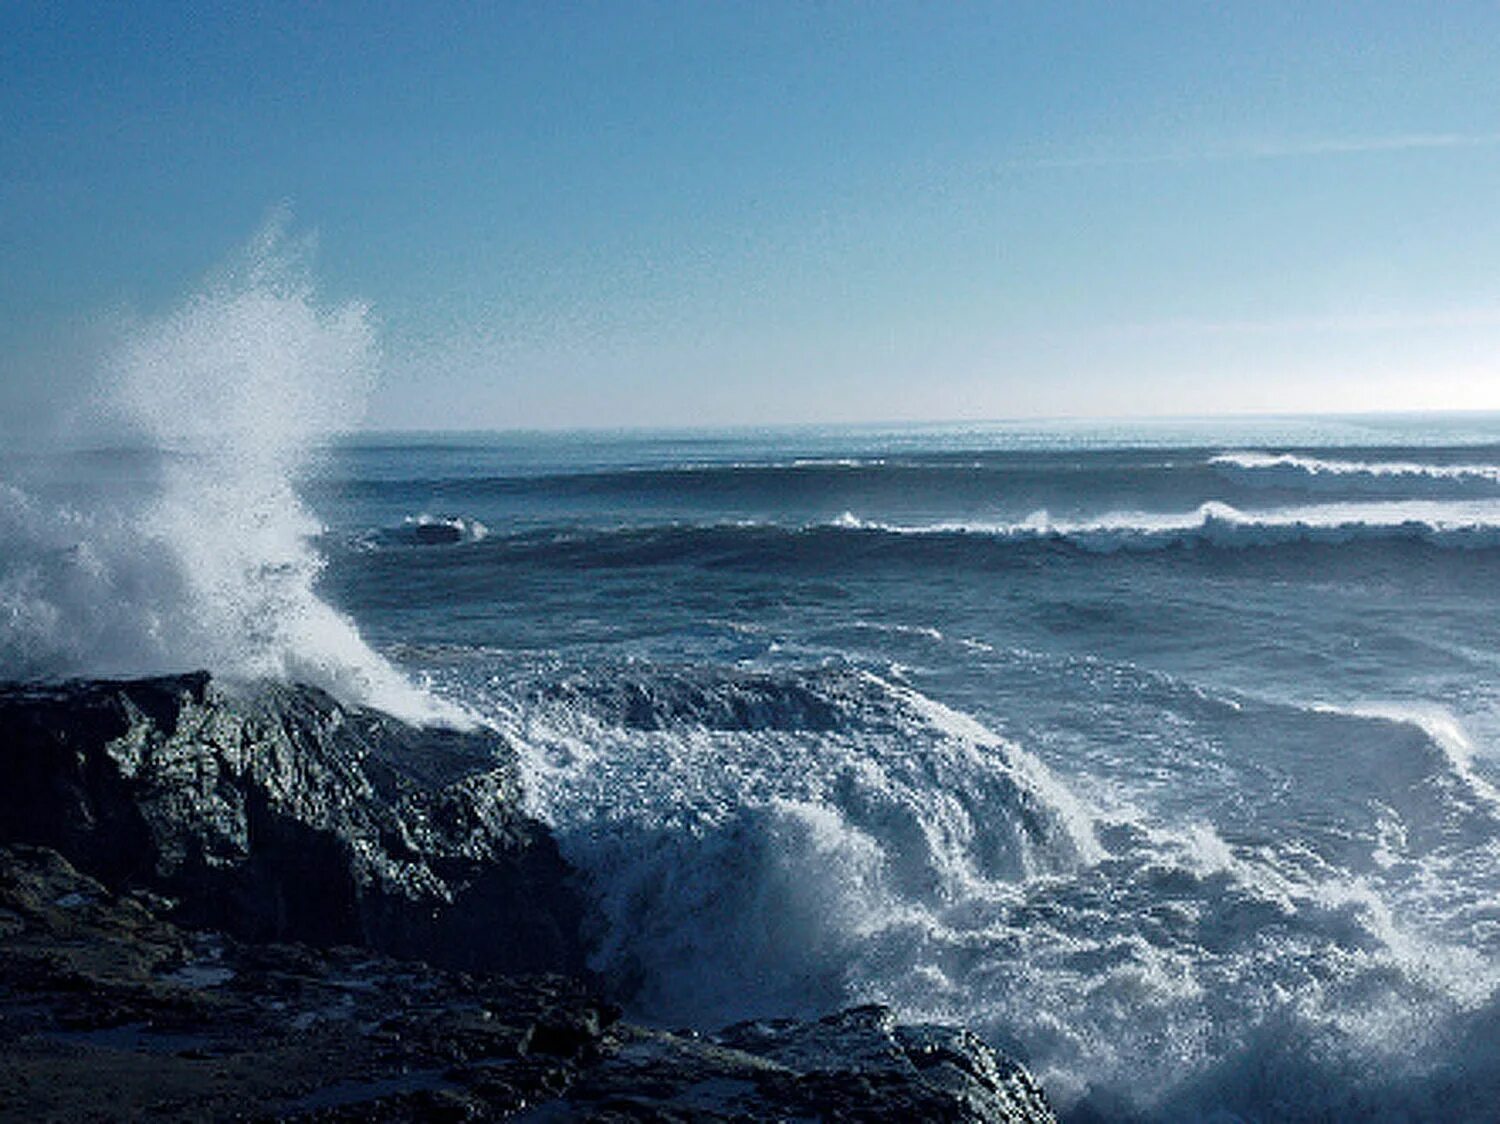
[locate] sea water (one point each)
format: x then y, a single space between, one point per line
1164 755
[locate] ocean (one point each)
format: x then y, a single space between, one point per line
1163 755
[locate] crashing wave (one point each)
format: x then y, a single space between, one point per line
747 834
212 567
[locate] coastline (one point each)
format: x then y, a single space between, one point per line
230 900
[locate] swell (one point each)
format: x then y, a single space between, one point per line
1061 480
1212 529
818 488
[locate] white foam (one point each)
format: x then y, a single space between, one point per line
747 871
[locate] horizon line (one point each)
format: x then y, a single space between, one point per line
935 423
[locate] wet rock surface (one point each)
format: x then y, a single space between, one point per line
108 1012
274 813
229 905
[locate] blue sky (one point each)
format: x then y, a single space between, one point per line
664 214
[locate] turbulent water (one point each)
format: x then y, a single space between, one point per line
1166 757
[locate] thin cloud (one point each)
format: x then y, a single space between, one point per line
1278 150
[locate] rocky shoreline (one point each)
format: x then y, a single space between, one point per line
249 902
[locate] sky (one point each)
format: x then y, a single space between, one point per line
669 214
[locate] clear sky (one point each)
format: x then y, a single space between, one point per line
658 214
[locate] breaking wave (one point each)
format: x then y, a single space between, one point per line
782 841
748 835
1473 525
851 539
1291 470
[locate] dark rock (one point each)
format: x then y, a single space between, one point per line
273 812
109 1012
438 531
854 1066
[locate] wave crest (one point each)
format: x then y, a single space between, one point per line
1472 525
1291 470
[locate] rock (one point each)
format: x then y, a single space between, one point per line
272 812
109 1012
438 531
826 1075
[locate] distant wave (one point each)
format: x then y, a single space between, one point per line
979 474
1213 524
852 542
1259 469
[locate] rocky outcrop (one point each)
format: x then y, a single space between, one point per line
110 1012
857 1065
272 812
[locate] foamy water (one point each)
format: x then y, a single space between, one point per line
1178 784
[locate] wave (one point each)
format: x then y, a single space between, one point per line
850 539
211 565
773 483
1215 524
1292 470
771 841
1441 733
